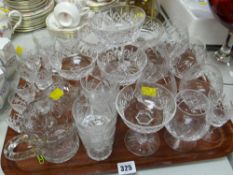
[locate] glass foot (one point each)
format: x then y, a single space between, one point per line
222 57
142 144
178 145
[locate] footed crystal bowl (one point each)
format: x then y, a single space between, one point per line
118 24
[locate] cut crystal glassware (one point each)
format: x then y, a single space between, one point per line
145 110
205 78
70 61
122 65
184 56
118 25
190 121
96 126
220 113
150 33
45 132
97 88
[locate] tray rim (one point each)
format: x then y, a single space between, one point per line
140 161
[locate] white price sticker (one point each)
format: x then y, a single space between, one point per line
126 168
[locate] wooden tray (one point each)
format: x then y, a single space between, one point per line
81 164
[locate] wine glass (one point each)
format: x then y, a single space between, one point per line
145 110
71 61
189 123
220 113
223 11
205 78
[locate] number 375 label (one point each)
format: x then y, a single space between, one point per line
126 168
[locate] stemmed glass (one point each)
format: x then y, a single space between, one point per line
189 123
223 10
70 61
205 78
221 112
145 110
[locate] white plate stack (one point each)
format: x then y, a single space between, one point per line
34 12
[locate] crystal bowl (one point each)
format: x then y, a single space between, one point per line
71 62
145 112
122 65
118 24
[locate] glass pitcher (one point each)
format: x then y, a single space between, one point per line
47 128
6 26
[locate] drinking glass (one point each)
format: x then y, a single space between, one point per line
156 73
122 65
96 127
44 78
145 110
30 64
70 61
17 104
48 130
220 113
223 11
205 78
89 39
97 88
189 123
184 56
150 33
26 91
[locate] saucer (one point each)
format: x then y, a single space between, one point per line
63 33
52 24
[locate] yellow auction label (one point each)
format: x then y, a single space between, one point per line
148 91
5 10
56 94
203 3
19 50
40 159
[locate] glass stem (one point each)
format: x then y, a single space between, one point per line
224 53
226 48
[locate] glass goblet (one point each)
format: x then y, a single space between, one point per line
189 123
145 110
159 74
220 113
150 33
70 61
205 78
185 55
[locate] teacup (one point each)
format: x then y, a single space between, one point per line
68 15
